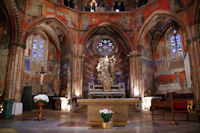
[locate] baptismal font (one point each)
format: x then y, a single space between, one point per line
105 70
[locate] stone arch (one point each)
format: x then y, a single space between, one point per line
14 22
64 51
56 22
103 25
155 18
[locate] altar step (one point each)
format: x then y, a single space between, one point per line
79 108
83 108
134 108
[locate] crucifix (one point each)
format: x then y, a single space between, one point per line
42 73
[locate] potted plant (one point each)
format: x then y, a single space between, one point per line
106 114
40 99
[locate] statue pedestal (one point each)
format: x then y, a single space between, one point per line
106 87
40 104
119 106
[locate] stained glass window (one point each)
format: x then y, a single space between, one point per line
176 46
34 53
105 47
40 50
38 46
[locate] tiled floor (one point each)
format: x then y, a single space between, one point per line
63 122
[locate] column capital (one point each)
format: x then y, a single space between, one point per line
134 53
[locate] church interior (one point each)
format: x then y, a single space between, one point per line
69 63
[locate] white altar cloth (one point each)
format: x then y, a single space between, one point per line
17 108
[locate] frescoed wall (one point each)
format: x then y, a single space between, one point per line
169 70
159 69
4 53
51 81
147 67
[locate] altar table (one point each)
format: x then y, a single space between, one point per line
119 106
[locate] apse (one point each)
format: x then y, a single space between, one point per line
105 42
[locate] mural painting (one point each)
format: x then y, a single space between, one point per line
125 22
176 6
71 19
48 8
34 8
85 22
4 51
139 19
148 71
66 64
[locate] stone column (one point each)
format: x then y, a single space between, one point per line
14 75
135 75
193 51
69 81
77 76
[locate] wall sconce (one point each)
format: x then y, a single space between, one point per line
64 104
77 93
136 91
116 10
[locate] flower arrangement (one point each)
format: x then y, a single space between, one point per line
41 98
106 114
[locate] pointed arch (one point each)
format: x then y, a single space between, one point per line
156 17
95 29
13 17
56 22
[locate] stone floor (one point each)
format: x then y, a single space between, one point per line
62 122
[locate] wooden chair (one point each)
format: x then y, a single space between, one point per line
180 107
158 107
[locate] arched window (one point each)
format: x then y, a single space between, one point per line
38 46
176 46
105 47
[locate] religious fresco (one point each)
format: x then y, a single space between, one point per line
34 8
147 67
88 20
171 78
66 68
168 72
139 19
51 80
85 22
176 6
48 8
125 22
71 19
4 52
148 75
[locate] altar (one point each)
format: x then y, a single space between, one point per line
119 106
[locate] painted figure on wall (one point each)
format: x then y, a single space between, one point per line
176 6
34 8
71 19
